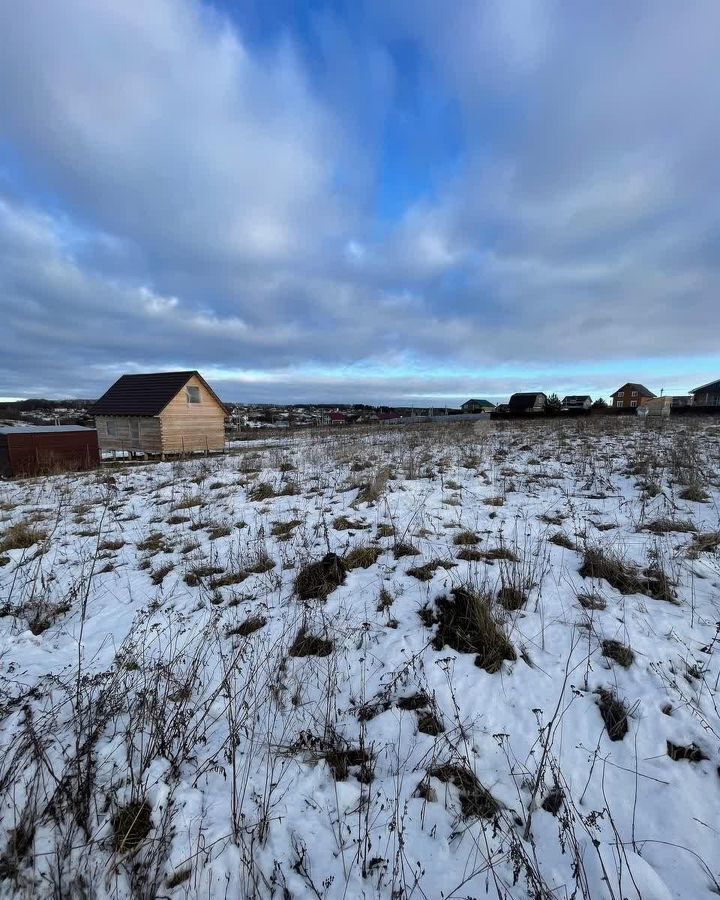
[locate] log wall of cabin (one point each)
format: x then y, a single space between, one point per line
189 426
130 433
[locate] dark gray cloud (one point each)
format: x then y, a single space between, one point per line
171 196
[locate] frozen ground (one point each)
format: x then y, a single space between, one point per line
513 692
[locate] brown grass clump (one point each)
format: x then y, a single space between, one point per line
248 627
665 526
20 536
413 701
466 539
228 578
694 493
371 492
466 623
219 531
198 573
111 545
500 553
403 548
426 571
494 501
263 490
691 752
385 530
511 597
310 645
319 579
385 600
469 555
476 801
362 557
430 723
131 824
189 503
591 601
342 523
618 652
707 542
614 713
283 530
157 576
154 543
562 540
600 564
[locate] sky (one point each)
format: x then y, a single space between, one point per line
362 201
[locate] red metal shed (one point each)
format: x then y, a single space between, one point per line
46 449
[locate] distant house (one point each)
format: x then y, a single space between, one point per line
46 449
533 402
160 412
338 418
477 406
707 394
577 401
631 395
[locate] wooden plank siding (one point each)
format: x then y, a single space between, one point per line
186 426
131 433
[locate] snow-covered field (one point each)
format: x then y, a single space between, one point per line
512 691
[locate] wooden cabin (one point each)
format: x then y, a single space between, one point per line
47 449
160 412
707 394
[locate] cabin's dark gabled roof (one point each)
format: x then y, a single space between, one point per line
478 402
523 401
640 388
712 388
576 398
141 395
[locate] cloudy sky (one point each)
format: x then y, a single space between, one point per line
364 201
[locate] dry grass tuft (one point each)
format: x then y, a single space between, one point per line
466 539
362 557
319 579
694 493
562 540
511 597
465 622
131 824
20 536
469 555
404 548
618 652
665 526
610 567
310 645
342 523
283 530
691 752
614 713
263 490
248 627
371 492
591 601
476 801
